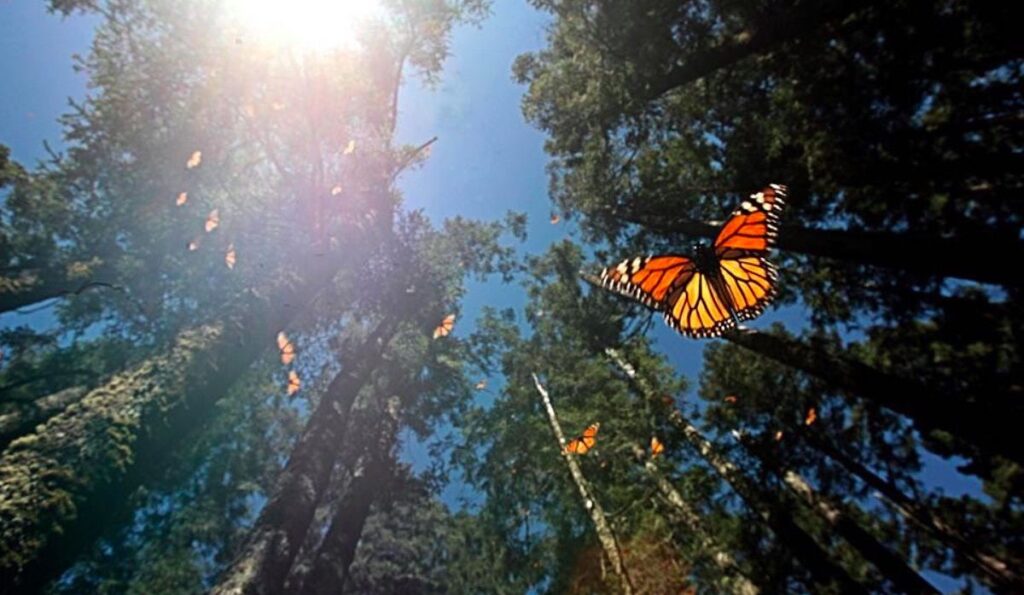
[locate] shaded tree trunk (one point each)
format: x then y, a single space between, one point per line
278 533
593 507
926 254
691 518
27 416
986 430
994 571
61 485
334 556
815 559
772 30
33 286
892 566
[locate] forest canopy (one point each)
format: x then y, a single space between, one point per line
239 355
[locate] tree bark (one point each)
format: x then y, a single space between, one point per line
994 571
988 431
604 531
61 485
926 254
337 550
739 584
815 559
28 415
278 533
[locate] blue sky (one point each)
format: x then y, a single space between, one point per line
487 159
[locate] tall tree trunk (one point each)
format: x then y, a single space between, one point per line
61 485
801 20
27 416
891 565
927 254
334 557
593 507
738 583
278 533
998 573
815 559
986 430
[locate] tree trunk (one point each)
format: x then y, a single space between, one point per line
61 485
38 285
994 571
593 507
28 415
926 254
987 430
892 566
815 559
278 533
739 584
805 19
338 548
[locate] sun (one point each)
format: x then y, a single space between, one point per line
308 25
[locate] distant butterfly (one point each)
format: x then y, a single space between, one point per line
555 218
231 257
193 245
730 399
336 190
480 385
583 443
656 447
212 220
349 148
294 383
182 199
812 416
286 348
445 328
708 293
194 161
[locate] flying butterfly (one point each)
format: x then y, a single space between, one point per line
231 257
656 447
286 348
584 442
294 383
445 328
212 221
712 290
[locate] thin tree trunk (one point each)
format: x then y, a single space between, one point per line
278 533
930 412
61 485
601 526
334 557
772 30
927 254
739 584
994 571
814 558
28 415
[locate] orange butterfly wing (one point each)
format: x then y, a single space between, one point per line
656 447
294 383
741 246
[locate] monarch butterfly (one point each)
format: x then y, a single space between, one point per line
294 383
656 447
445 328
287 349
231 257
480 385
708 293
581 444
811 417
212 221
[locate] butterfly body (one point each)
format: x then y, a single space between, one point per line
708 292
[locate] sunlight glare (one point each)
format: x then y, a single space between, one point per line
311 25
